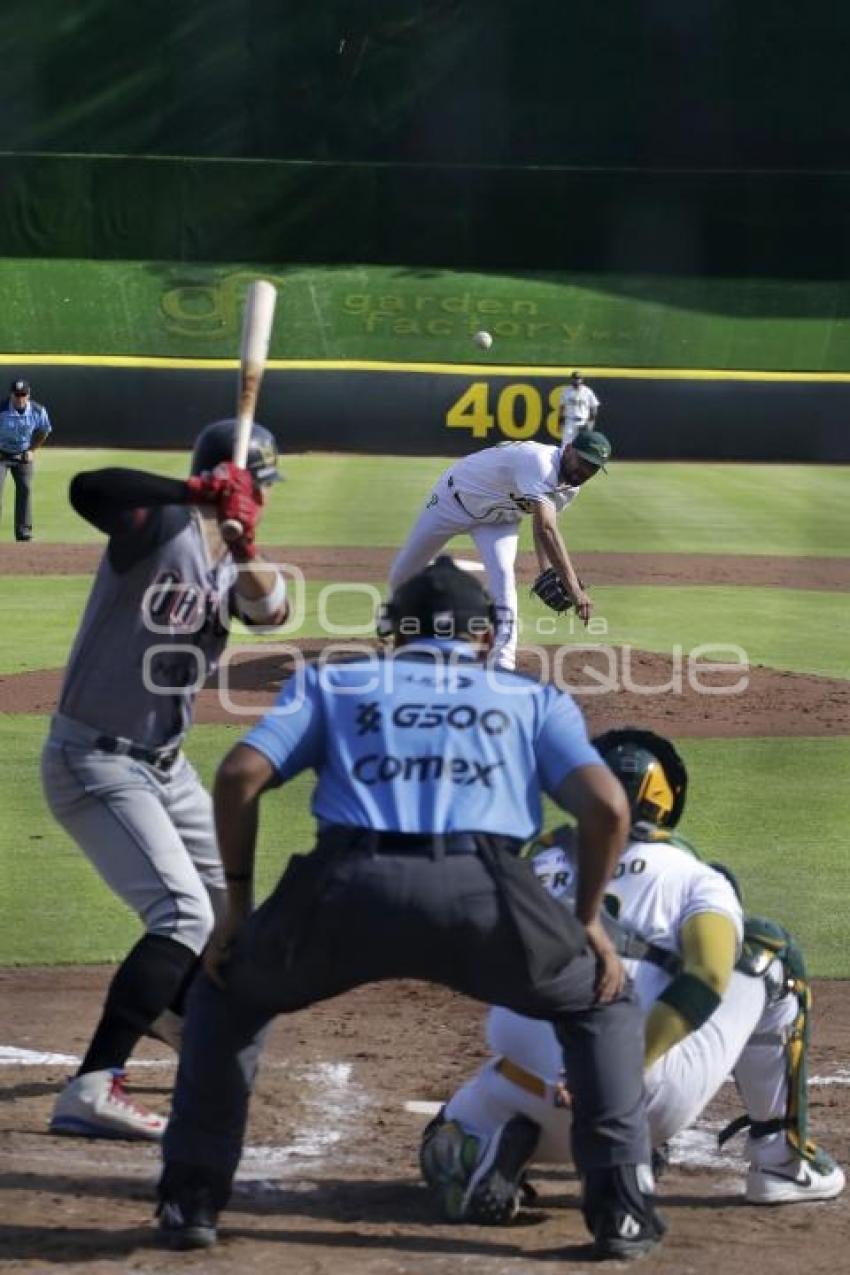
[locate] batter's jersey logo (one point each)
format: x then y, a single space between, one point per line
173 605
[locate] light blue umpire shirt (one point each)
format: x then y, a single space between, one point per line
17 428
426 739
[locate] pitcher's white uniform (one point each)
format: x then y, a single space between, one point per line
577 409
658 886
486 495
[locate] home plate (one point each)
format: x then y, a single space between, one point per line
423 1108
469 564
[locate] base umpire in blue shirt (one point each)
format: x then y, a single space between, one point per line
430 766
24 425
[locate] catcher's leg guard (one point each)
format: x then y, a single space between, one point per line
771 1075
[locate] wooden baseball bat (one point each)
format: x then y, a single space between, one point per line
257 324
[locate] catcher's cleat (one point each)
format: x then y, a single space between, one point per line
798 1180
495 1189
188 1220
447 1157
95 1105
620 1213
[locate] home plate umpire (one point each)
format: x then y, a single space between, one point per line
430 766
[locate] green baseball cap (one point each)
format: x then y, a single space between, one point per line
593 447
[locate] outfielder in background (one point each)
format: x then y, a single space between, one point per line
577 409
721 994
486 495
113 770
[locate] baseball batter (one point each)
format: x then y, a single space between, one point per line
486 495
720 994
114 773
577 409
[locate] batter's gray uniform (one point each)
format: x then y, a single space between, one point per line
114 774
113 769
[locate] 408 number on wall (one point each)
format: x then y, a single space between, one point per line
518 410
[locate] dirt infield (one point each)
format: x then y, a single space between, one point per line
345 563
660 693
329 1182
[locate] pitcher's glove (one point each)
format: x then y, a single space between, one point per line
550 589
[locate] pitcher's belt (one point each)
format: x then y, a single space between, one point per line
519 1076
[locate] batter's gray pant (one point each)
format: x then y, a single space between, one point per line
149 833
339 920
21 472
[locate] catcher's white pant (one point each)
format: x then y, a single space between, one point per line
678 1086
440 520
150 835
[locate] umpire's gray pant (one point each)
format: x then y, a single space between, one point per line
21 472
341 920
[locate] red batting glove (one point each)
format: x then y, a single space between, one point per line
240 504
205 489
239 479
243 548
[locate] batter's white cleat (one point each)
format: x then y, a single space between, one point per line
95 1105
795 1181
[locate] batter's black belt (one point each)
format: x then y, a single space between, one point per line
159 758
433 845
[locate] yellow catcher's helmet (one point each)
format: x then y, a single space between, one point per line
651 771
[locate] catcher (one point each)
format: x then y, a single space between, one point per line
722 992
486 495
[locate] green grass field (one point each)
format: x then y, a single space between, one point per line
775 809
771 809
798 630
639 506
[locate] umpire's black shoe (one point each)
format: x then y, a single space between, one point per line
190 1198
188 1219
494 1193
620 1212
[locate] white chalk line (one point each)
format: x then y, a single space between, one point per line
417 1108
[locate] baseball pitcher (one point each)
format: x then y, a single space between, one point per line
486 495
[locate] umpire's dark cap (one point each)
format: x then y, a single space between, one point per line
442 601
19 386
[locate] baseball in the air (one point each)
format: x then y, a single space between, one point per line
483 340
